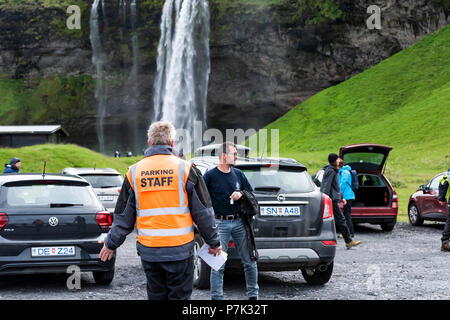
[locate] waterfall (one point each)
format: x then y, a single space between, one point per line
98 59
183 64
123 18
134 75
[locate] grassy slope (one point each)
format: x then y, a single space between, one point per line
61 156
403 102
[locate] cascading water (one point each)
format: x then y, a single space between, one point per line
134 75
123 18
98 59
183 65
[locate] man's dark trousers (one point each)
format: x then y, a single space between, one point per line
446 232
171 280
341 224
348 216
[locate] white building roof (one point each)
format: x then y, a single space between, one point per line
42 129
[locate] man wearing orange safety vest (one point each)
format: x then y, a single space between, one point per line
164 195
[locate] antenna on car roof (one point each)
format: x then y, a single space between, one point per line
43 172
95 166
262 152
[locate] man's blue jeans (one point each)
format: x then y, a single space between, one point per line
236 230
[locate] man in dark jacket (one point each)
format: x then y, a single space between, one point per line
13 166
330 186
225 184
444 199
165 248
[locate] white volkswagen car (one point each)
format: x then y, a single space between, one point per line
105 181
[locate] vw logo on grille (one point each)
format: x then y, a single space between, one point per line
53 221
281 197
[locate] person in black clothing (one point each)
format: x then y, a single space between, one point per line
225 185
444 196
13 166
330 186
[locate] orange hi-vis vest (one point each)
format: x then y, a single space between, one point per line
162 209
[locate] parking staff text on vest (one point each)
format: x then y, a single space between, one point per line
156 178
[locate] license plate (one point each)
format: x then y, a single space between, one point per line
280 211
106 198
52 251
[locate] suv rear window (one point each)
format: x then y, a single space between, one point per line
47 194
368 180
103 180
289 180
364 157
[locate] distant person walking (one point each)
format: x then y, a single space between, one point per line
13 166
330 186
444 199
345 184
164 196
225 184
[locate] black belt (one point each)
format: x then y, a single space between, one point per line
227 217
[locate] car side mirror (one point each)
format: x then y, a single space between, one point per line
423 188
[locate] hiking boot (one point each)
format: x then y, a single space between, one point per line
352 243
445 246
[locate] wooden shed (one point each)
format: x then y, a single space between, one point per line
20 136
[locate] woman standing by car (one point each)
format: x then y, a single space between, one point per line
345 183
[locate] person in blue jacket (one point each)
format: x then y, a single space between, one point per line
345 184
13 166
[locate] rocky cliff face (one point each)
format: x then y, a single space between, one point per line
262 63
262 67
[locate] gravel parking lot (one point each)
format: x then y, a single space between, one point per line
403 264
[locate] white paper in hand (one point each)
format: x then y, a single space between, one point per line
214 262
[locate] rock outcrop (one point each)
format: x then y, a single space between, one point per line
262 63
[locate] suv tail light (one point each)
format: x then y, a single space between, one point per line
395 200
104 220
327 207
3 220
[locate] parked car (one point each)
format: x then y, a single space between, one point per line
49 222
210 150
105 181
376 201
295 227
424 204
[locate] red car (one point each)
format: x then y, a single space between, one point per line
424 205
376 201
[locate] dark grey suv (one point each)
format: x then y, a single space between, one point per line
48 223
295 228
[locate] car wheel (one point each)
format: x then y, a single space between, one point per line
202 271
388 226
317 277
414 215
103 278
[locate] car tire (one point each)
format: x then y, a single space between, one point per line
414 215
103 278
388 226
202 271
318 277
